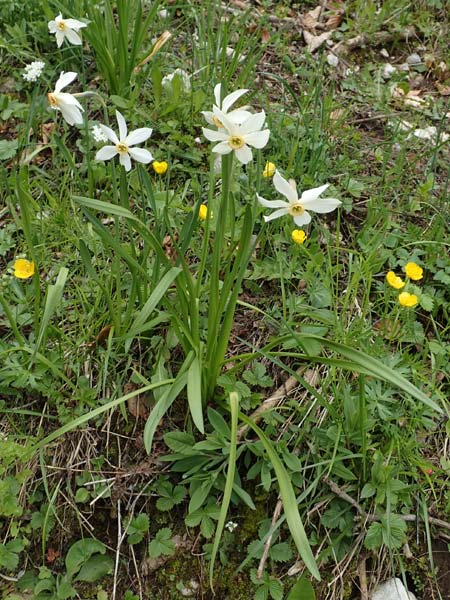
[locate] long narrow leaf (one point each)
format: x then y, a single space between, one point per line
96 412
151 304
52 301
161 408
374 367
194 393
106 207
234 407
289 501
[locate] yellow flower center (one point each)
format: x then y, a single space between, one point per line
61 26
122 148
217 122
295 210
52 100
237 142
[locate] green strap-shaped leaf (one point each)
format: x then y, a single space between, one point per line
234 408
289 501
151 304
194 393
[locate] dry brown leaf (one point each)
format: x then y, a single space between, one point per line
46 131
334 21
308 22
103 335
265 36
444 90
335 115
168 247
313 42
138 406
52 555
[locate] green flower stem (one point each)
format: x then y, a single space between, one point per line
214 314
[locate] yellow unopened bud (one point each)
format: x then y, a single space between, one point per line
160 167
23 269
298 236
407 299
203 212
413 271
394 281
269 169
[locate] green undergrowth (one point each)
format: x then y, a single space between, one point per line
161 310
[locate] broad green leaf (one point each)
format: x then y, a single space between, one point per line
80 552
95 568
302 590
180 441
218 423
199 496
162 544
9 560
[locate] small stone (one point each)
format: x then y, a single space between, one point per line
332 60
384 53
414 59
392 589
388 71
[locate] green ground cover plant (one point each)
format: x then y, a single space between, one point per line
224 299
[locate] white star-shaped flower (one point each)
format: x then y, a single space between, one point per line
123 143
69 106
298 207
68 28
238 137
237 115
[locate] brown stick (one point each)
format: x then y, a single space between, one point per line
262 562
273 400
376 39
362 574
409 518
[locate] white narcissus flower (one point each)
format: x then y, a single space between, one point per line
298 207
68 28
237 115
123 143
238 137
69 106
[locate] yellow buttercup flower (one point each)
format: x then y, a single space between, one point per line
269 169
203 212
394 281
23 269
413 271
298 236
407 299
160 167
